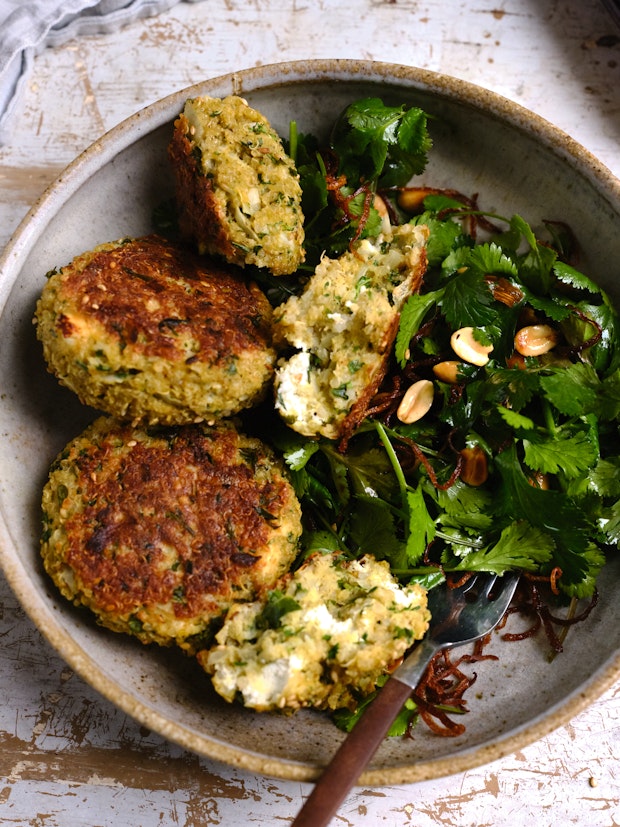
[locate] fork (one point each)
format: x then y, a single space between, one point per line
458 616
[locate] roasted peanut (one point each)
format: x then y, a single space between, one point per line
447 371
416 402
535 339
411 199
468 349
474 468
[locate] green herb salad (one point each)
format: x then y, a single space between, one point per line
515 463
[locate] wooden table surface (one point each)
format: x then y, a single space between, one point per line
67 757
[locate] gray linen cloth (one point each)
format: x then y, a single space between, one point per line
28 26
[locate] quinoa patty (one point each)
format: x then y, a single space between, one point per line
150 332
238 192
158 531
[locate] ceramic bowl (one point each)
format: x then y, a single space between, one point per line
483 144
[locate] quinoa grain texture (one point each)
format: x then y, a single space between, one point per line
342 624
341 330
158 531
148 331
238 191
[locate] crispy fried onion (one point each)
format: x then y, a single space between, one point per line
440 692
335 185
529 603
474 218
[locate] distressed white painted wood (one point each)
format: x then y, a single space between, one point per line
66 756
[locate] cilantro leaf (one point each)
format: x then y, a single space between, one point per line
339 476
572 389
442 237
370 472
520 546
553 512
593 562
314 491
605 354
314 189
605 477
421 526
468 301
356 207
410 154
546 509
298 454
587 322
373 530
611 524
345 719
465 506
375 142
570 455
411 315
320 541
491 259
550 307
513 387
516 420
569 275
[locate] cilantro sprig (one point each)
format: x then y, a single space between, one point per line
379 143
372 146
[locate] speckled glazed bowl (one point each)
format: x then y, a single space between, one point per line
482 144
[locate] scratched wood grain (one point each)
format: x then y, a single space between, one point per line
68 757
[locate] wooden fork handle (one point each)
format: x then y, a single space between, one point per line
353 755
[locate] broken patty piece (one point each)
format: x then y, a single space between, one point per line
322 638
238 192
342 329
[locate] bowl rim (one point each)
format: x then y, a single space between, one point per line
101 151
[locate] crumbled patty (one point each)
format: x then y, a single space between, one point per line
151 332
322 639
158 531
342 328
238 192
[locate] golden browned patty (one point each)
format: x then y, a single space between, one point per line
238 192
150 332
159 531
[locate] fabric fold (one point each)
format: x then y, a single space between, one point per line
29 26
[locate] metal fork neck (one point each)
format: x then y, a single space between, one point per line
412 669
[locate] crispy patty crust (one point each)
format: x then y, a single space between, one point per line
238 191
158 531
150 332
